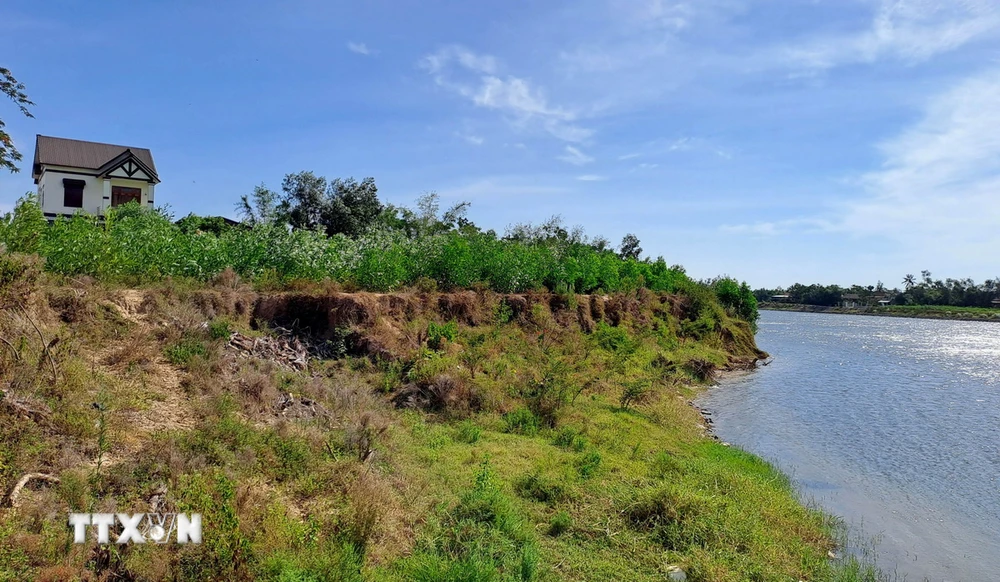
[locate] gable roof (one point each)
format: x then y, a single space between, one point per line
90 155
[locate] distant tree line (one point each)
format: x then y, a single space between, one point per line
924 290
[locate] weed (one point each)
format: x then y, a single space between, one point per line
540 488
182 352
438 334
560 523
521 421
468 432
570 439
220 328
588 463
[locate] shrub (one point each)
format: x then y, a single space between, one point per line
220 328
521 421
437 334
182 352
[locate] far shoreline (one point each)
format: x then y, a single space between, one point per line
913 312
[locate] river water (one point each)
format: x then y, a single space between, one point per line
891 423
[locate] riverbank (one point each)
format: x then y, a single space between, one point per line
405 436
912 311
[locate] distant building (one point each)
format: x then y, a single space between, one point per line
74 176
995 303
783 298
850 300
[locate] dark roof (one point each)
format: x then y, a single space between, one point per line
90 155
851 296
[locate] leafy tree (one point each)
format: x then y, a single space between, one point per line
351 207
15 90
630 248
909 281
262 206
305 201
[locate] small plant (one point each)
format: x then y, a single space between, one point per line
521 421
560 523
220 328
437 334
468 432
503 313
588 464
182 352
571 439
633 391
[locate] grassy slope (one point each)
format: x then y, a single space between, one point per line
472 486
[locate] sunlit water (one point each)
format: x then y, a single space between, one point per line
891 423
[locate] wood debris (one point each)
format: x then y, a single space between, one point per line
284 350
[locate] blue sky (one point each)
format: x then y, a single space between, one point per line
833 141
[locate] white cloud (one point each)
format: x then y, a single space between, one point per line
477 78
472 139
938 187
576 157
772 228
359 48
908 30
591 178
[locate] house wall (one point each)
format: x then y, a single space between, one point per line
96 191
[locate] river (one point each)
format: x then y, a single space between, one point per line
891 423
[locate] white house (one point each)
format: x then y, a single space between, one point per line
74 175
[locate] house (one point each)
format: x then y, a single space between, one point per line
74 176
850 300
781 298
995 303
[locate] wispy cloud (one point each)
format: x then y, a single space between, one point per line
935 195
938 185
359 48
591 178
908 30
477 78
472 139
576 157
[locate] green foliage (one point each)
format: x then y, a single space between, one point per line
468 432
521 421
588 463
570 439
13 89
634 391
614 339
439 333
220 328
182 352
135 244
737 299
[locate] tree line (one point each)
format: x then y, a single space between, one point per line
923 290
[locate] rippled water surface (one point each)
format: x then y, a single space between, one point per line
891 423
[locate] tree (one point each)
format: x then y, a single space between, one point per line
909 281
260 207
305 200
15 90
351 206
630 248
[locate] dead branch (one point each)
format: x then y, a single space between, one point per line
17 354
45 346
11 499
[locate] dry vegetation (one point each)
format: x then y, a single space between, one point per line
430 436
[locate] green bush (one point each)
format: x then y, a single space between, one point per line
540 488
588 463
220 328
570 438
182 352
521 421
437 334
468 432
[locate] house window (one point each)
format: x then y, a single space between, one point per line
122 195
73 193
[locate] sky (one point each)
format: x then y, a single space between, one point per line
775 141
